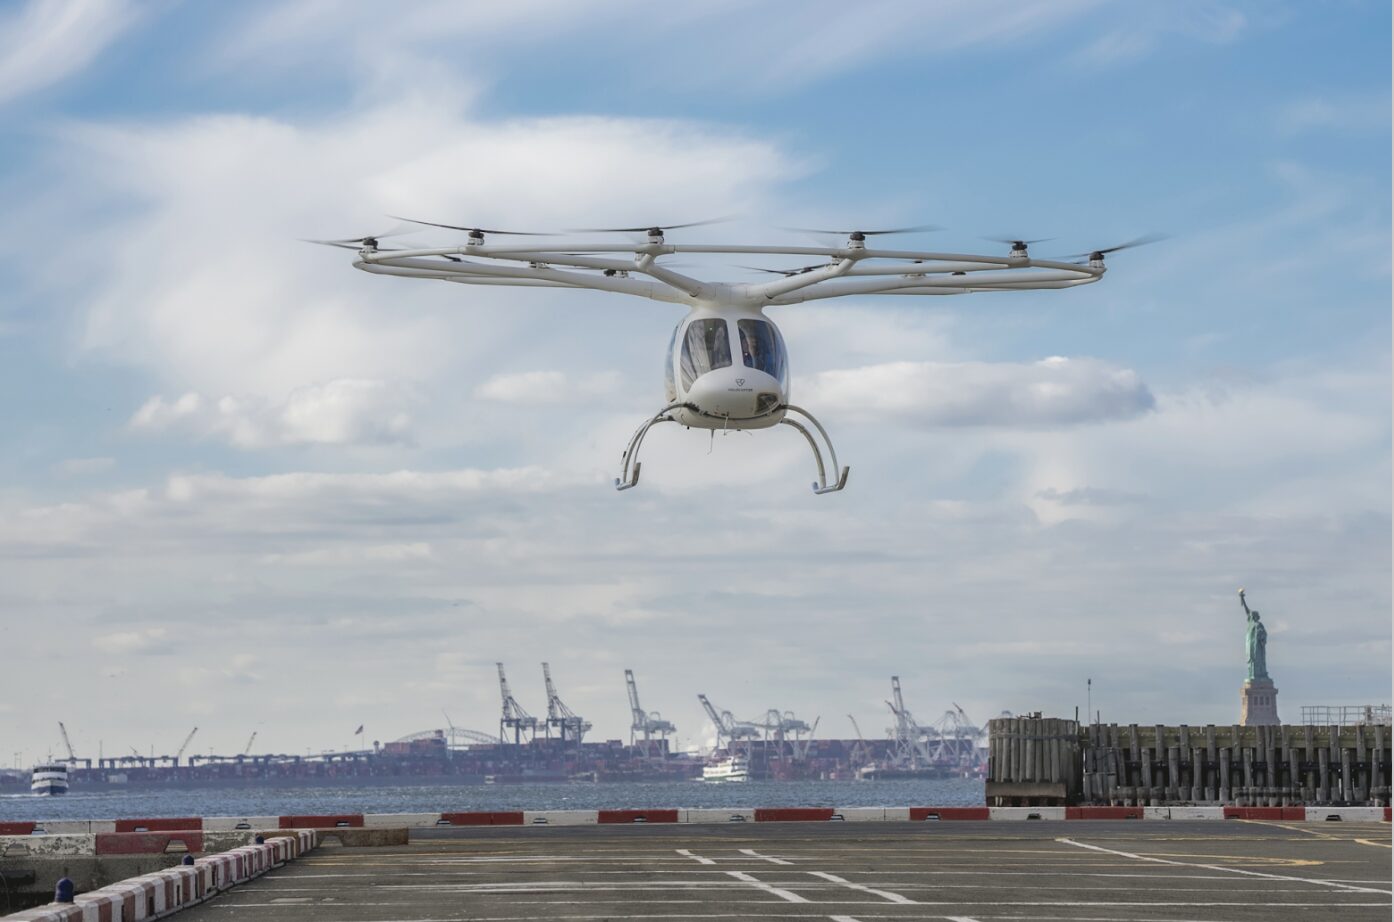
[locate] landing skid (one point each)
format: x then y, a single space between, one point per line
820 485
630 466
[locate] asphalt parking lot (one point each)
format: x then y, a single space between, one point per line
846 872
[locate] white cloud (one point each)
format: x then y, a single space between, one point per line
1347 115
48 40
235 305
547 387
1055 391
145 640
342 412
76 467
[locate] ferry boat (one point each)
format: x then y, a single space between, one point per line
731 768
49 778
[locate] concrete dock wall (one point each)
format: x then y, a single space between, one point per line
1044 761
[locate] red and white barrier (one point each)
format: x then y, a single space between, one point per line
153 896
156 835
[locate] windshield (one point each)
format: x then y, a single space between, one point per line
762 348
705 347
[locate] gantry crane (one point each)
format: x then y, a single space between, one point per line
860 755
67 743
910 750
727 726
570 726
641 722
188 739
513 713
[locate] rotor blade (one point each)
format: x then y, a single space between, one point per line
1015 241
482 230
869 233
355 244
1137 242
647 227
785 272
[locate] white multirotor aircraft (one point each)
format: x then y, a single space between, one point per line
727 366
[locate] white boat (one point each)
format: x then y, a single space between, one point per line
731 768
49 778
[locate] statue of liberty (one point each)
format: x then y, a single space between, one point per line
1255 642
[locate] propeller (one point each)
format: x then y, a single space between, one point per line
476 232
863 234
653 230
370 241
784 272
1095 255
1017 243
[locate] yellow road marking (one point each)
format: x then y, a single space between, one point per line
1375 844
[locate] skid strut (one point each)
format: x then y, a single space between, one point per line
629 468
630 464
820 485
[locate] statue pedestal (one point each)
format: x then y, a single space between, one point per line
1258 704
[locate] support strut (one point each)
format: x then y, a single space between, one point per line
630 465
820 485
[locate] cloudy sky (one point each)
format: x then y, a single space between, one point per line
245 487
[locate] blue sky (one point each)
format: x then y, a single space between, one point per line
228 458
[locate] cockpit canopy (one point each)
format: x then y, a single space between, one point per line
707 345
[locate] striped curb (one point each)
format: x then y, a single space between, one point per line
159 894
136 836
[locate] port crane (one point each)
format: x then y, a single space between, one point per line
955 739
910 749
860 754
67 744
247 749
570 726
647 723
514 715
185 745
727 726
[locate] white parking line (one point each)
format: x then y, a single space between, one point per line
768 888
884 894
770 858
697 858
1218 867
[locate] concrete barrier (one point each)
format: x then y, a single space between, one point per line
406 820
158 894
166 824
1265 813
1026 813
862 814
234 823
559 817
921 814
483 818
323 821
1103 813
48 846
718 815
636 816
148 843
793 814
1346 814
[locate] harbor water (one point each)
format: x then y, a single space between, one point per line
391 796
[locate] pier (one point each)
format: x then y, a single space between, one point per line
1050 761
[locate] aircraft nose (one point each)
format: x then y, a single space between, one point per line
735 393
